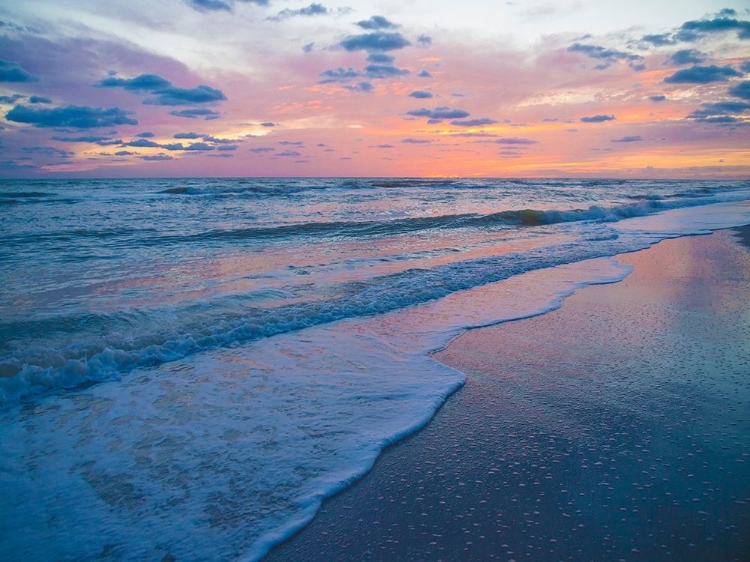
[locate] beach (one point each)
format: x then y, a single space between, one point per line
614 428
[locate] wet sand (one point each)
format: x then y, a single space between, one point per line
614 428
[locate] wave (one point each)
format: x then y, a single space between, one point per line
140 338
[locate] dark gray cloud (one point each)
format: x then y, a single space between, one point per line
607 56
686 56
144 143
380 58
745 66
382 146
377 22
78 117
187 136
660 39
719 112
220 5
702 75
692 30
215 140
424 40
268 124
363 87
632 138
339 74
101 141
741 90
39 99
144 83
424 74
186 96
48 151
384 71
420 94
475 122
289 154
196 113
262 149
291 143
511 140
658 98
11 72
125 153
311 10
597 118
416 141
199 147
226 147
145 135
10 99
378 41
157 158
439 113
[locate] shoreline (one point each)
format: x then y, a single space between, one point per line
483 479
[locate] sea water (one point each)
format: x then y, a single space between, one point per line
188 367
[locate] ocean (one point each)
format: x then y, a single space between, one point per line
189 366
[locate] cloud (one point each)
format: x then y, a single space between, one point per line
475 122
145 135
440 113
10 99
215 140
289 154
144 143
378 41
380 58
209 5
692 30
633 138
377 22
196 113
659 40
227 147
364 87
607 56
220 5
597 118
311 10
424 74
124 153
416 141
745 66
157 158
11 72
741 90
686 56
420 94
424 40
511 140
144 82
702 75
39 99
79 117
268 124
658 98
384 71
339 74
186 96
199 147
382 146
101 141
187 136
262 149
719 112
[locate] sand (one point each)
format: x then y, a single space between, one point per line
615 428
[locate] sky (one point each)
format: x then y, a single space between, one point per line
431 88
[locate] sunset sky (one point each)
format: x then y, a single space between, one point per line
564 88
